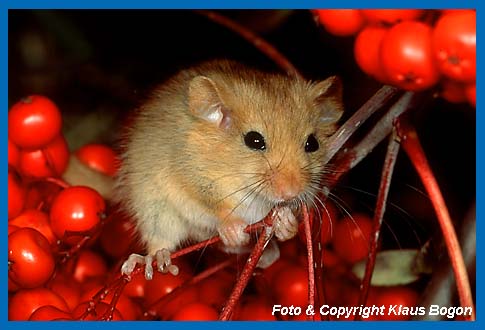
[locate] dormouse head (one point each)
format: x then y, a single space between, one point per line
270 131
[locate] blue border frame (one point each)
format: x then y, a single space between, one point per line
223 4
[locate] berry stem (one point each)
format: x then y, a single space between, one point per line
348 158
376 102
211 241
412 147
262 45
311 261
318 260
385 184
248 269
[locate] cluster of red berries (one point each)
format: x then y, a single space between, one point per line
412 49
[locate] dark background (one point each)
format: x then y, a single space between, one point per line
100 63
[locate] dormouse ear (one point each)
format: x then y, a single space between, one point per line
328 97
205 102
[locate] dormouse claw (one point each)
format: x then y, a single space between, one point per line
137 259
164 264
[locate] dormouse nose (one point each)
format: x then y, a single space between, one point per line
287 184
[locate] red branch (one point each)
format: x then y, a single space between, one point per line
412 147
384 95
349 157
261 44
248 270
211 241
192 248
311 261
387 171
108 315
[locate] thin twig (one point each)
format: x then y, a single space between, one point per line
438 291
385 184
376 102
192 248
348 158
318 259
261 44
211 241
108 315
415 152
311 261
247 271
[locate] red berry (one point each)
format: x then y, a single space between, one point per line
67 288
37 220
99 157
396 296
51 160
34 122
12 286
352 236
76 209
136 287
25 302
272 271
40 194
11 228
407 56
215 289
330 259
30 258
289 249
16 195
390 16
341 22
453 91
196 312
471 94
334 287
178 301
162 284
454 45
367 51
255 309
50 313
118 236
13 154
291 286
89 264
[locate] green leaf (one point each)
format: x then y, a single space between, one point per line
395 267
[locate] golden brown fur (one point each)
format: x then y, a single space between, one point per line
184 177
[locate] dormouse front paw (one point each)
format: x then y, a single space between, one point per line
232 232
164 264
285 223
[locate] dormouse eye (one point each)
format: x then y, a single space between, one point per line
311 144
254 140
